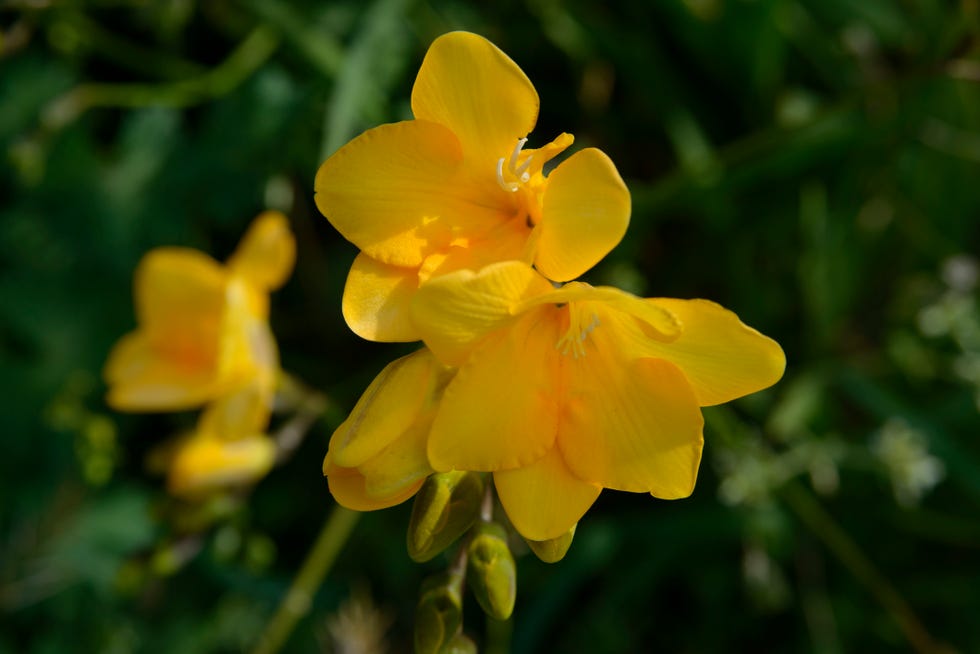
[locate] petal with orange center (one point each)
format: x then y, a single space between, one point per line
140 379
398 192
267 252
470 86
377 299
544 499
500 411
627 423
721 357
455 311
584 215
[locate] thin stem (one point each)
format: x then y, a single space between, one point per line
848 553
257 47
296 604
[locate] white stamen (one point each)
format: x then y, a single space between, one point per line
507 186
516 153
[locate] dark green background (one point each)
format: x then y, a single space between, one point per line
813 165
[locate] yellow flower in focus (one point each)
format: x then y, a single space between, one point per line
563 392
228 448
203 327
377 457
456 189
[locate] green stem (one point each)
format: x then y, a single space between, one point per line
847 551
257 47
296 604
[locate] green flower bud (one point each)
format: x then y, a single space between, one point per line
551 551
461 644
491 572
439 614
445 507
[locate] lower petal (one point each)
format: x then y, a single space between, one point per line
377 298
348 488
544 500
631 425
500 411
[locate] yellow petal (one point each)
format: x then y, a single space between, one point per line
454 311
468 85
500 410
267 253
629 424
721 357
139 379
397 193
544 500
657 322
377 298
177 286
584 214
400 465
347 486
404 394
202 464
243 412
246 347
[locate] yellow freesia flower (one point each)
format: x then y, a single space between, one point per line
563 392
377 457
456 189
203 327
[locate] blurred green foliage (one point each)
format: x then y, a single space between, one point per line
811 164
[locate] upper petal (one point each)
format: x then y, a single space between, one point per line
627 423
544 499
377 300
469 85
177 288
721 357
454 311
397 192
267 252
500 411
584 215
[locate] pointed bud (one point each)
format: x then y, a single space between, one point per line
553 550
445 507
439 614
492 575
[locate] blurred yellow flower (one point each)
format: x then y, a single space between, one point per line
377 457
456 189
203 327
563 392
